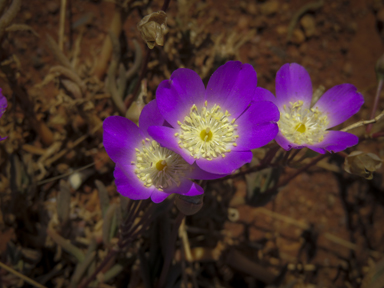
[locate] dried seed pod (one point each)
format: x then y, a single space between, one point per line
362 164
153 27
189 205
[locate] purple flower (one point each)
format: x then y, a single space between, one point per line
3 106
301 125
143 168
215 127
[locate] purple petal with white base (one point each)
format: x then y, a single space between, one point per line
176 96
293 83
120 138
232 86
302 126
285 143
166 137
335 141
257 125
150 115
129 185
226 165
340 103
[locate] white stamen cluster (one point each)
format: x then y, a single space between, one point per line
158 166
302 126
207 133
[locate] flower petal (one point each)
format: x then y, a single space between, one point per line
293 84
182 189
129 185
159 196
199 174
285 143
262 94
3 103
176 96
335 141
257 125
150 116
195 190
166 137
120 138
232 86
340 103
225 165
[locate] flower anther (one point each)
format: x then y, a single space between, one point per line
158 166
207 132
302 126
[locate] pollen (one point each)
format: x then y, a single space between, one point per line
207 132
302 126
159 167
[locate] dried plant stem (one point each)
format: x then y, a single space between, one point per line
136 207
293 155
364 122
106 51
170 251
58 54
106 260
265 163
307 7
9 15
62 23
297 173
375 104
21 276
378 134
238 261
129 101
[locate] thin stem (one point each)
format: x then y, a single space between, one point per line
293 155
108 258
286 155
62 23
21 276
165 5
375 104
170 251
265 163
297 173
8 16
129 101
378 134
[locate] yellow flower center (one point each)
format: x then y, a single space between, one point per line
207 133
159 167
302 126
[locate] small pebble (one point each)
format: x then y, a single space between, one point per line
269 8
309 25
53 7
298 36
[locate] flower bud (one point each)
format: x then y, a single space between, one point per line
153 27
189 205
362 164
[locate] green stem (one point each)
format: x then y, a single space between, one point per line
170 251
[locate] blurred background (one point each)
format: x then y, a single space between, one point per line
67 65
